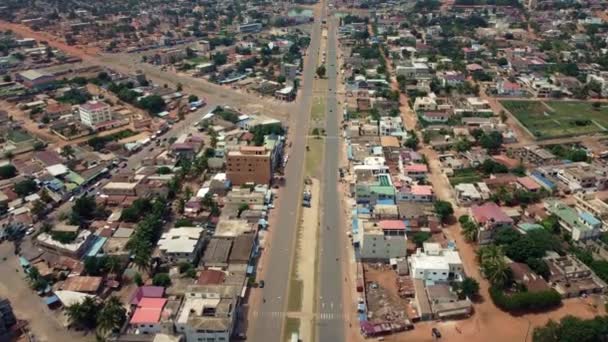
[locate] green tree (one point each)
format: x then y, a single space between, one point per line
213 138
469 231
138 280
491 141
420 237
67 152
161 279
38 208
111 317
321 71
84 314
7 171
219 58
25 187
493 265
153 104
462 145
443 210
469 288
85 208
412 140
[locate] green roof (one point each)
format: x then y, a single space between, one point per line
74 178
384 180
18 136
383 190
529 226
567 214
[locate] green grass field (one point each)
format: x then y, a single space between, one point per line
465 176
554 119
198 60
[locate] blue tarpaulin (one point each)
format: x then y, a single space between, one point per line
363 210
387 201
51 300
96 247
23 262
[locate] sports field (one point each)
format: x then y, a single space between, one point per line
554 119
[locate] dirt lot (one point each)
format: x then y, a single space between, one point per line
383 301
488 323
75 50
45 324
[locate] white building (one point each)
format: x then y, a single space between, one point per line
181 244
414 70
93 113
435 263
382 240
426 103
206 317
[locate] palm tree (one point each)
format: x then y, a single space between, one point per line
112 264
75 313
142 259
493 264
83 314
497 272
111 317
491 253
469 231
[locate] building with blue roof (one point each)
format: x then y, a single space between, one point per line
581 225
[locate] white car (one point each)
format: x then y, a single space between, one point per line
30 231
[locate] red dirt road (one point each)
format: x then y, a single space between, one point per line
74 50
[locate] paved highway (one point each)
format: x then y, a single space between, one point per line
267 323
330 264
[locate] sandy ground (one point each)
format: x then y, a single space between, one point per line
46 325
27 123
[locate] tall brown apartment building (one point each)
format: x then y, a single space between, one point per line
249 164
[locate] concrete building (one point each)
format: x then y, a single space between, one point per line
250 28
250 164
290 71
489 217
150 316
469 193
206 317
35 79
415 71
571 278
181 244
415 193
435 263
285 94
93 113
74 249
120 189
581 225
382 240
590 203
